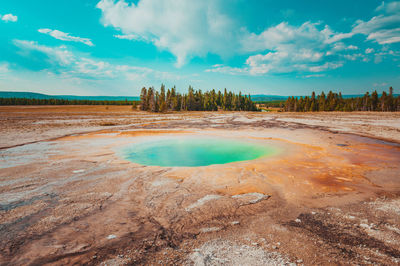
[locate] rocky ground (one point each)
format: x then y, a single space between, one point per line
66 197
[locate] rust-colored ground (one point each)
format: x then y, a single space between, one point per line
332 196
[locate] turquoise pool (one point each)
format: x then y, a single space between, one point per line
187 151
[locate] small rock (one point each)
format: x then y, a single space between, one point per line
250 198
210 229
365 226
78 171
297 220
111 236
235 223
299 261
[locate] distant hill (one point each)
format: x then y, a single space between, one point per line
271 98
34 95
267 98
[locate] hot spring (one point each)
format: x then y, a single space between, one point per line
194 151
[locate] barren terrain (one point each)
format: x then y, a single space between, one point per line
66 197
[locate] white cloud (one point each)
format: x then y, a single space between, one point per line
4 67
335 37
384 53
195 28
384 28
391 7
9 18
314 76
65 36
306 48
185 28
352 47
227 70
354 57
340 46
385 36
326 66
369 50
58 55
130 37
292 49
380 84
4 70
285 34
76 66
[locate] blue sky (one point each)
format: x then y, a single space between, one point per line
110 47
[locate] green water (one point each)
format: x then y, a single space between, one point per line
194 151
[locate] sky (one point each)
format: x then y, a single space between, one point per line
116 47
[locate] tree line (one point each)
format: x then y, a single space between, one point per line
194 100
386 102
33 101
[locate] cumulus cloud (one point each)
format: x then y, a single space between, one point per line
285 34
291 49
305 48
185 28
65 36
196 28
285 62
9 18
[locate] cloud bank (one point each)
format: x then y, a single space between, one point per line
68 64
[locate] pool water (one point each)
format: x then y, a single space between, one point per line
194 151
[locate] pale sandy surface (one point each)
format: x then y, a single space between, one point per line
67 197
32 123
374 124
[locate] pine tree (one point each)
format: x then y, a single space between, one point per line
374 101
151 102
143 99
